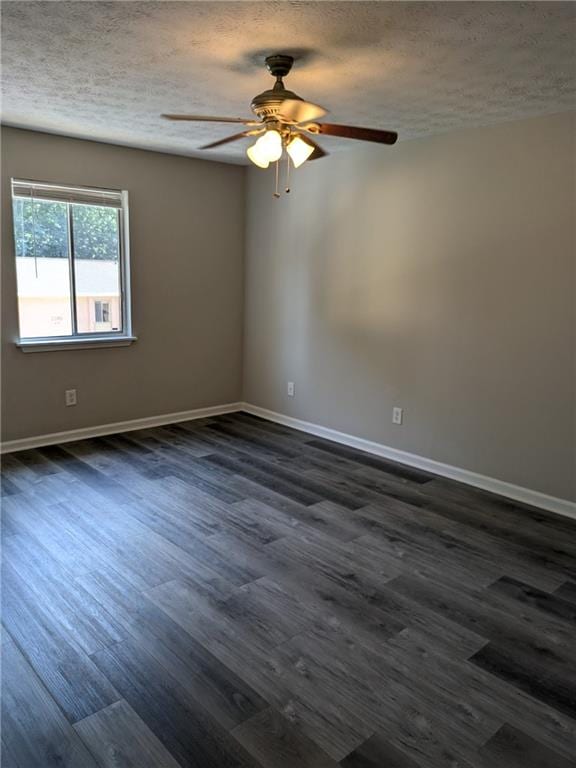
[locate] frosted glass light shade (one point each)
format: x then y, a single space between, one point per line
267 149
271 144
299 150
257 156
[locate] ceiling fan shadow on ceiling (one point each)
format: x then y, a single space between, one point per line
284 121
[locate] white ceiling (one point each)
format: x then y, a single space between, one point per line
106 70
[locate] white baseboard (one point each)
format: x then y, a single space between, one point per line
516 492
12 446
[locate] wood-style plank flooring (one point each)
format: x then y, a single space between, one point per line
231 593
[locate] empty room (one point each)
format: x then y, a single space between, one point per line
288 384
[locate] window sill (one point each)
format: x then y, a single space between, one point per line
57 345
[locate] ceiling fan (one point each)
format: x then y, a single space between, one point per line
284 120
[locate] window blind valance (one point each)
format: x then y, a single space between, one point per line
111 198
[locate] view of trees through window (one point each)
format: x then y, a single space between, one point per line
46 280
41 229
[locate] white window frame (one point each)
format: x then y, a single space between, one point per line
76 340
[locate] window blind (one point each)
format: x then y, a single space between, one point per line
111 198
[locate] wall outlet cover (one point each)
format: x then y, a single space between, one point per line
70 397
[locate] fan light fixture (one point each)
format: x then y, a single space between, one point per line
299 150
254 155
267 149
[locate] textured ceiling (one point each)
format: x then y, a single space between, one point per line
106 71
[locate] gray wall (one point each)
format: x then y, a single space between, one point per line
436 275
187 238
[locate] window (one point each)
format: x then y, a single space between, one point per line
71 265
102 312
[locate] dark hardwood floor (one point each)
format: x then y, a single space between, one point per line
233 593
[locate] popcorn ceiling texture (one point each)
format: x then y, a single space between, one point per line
106 71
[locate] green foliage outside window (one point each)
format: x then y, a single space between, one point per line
41 230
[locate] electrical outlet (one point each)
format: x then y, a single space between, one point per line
70 397
397 414
291 389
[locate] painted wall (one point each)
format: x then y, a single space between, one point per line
436 275
187 289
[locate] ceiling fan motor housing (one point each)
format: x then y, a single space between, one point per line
267 103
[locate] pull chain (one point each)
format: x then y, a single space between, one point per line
287 190
276 193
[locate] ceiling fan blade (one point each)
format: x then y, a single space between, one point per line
205 119
234 137
353 132
298 111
